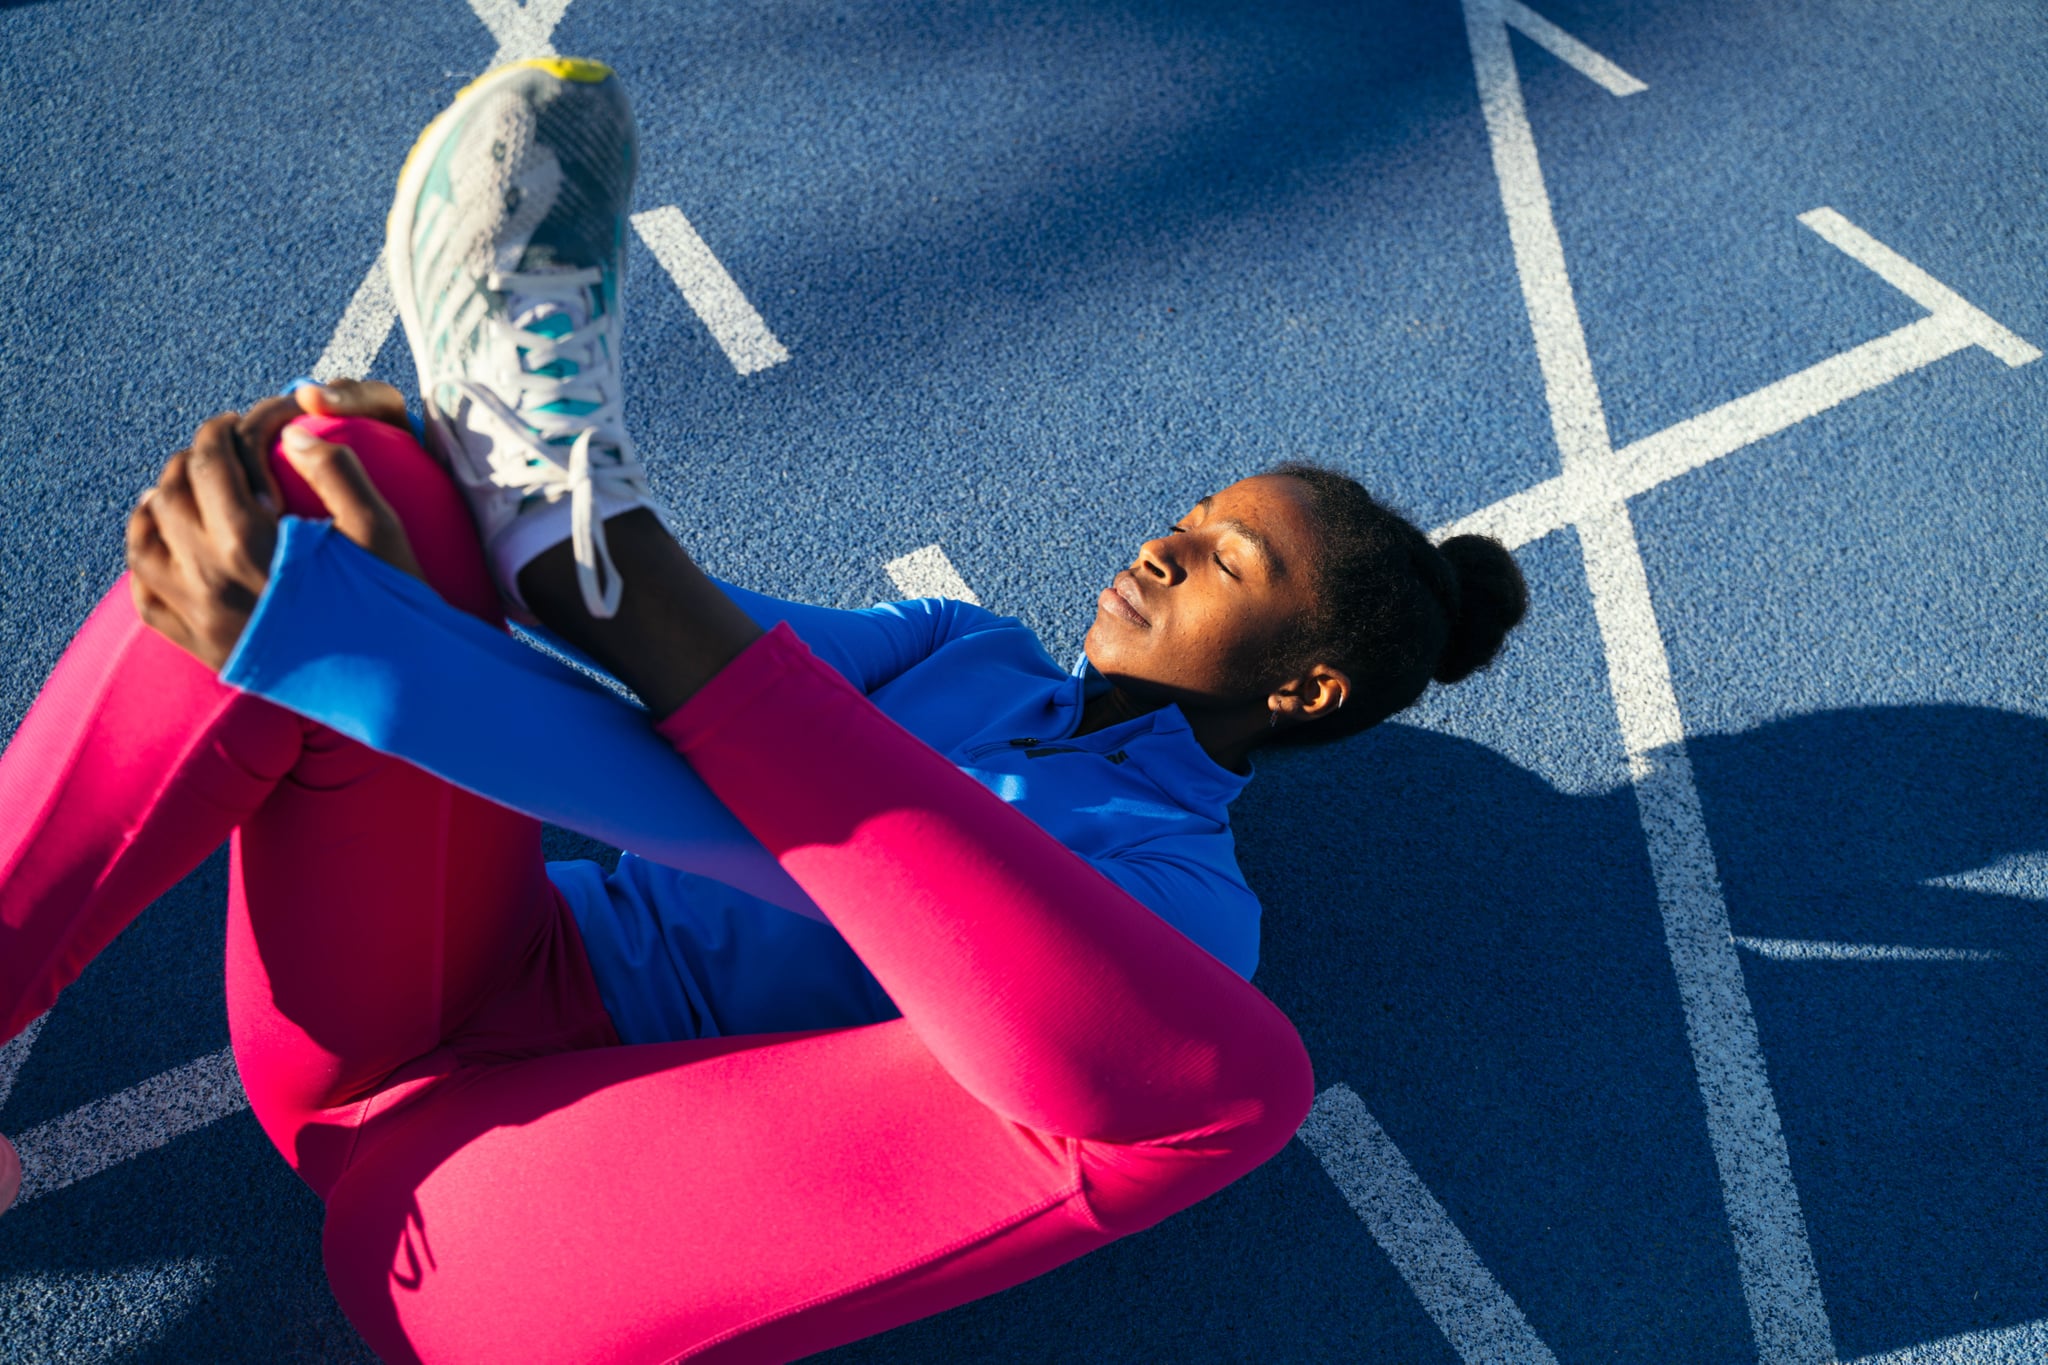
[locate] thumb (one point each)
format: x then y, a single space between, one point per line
343 485
354 398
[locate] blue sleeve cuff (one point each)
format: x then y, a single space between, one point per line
344 639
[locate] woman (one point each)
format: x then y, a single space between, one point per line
996 1050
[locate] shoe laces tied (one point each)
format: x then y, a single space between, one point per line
567 387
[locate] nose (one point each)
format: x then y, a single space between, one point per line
1160 558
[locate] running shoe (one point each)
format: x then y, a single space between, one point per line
10 1173
506 248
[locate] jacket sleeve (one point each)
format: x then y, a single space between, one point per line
344 639
872 646
1191 881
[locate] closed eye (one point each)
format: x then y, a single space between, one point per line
1221 565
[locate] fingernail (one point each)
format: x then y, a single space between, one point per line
299 441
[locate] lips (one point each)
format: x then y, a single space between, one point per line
1121 599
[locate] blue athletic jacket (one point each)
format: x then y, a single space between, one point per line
699 932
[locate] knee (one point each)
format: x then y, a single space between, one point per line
424 495
1131 1186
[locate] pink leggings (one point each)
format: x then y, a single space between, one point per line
420 1036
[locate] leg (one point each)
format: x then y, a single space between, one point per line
374 911
1069 1069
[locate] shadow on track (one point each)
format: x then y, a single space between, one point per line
1480 957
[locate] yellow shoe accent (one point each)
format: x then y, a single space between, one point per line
580 69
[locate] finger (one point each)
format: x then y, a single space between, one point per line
359 510
143 545
175 513
369 398
149 559
257 434
220 484
241 533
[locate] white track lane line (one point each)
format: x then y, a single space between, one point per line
14 1052
1953 326
2023 1344
1576 416
926 572
1773 1256
1820 950
1772 1253
364 327
107 1132
1570 50
523 28
1467 1304
709 290
1919 286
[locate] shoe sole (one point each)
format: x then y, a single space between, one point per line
412 179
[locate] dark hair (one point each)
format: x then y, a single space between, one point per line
1392 610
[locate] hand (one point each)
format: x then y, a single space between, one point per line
260 427
199 543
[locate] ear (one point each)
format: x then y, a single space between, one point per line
1315 695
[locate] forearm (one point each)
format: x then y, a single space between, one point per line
675 628
375 654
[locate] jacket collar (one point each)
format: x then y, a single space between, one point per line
1162 740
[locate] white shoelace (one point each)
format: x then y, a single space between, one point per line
617 471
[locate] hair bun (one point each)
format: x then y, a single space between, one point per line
1492 597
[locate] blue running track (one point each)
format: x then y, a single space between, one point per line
1675 990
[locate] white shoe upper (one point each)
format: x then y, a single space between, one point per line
506 250
533 429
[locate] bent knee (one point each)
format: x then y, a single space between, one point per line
424 495
1131 1186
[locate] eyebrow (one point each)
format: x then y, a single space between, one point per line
1274 565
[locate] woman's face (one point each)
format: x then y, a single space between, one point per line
1196 616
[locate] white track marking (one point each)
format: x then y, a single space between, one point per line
1773 1256
1570 50
15 1052
1746 420
709 290
1576 416
1818 950
522 30
107 1132
365 325
1916 284
2023 1344
2023 876
1639 673
1772 1253
927 572
1519 518
1679 449
1954 326
1460 1294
